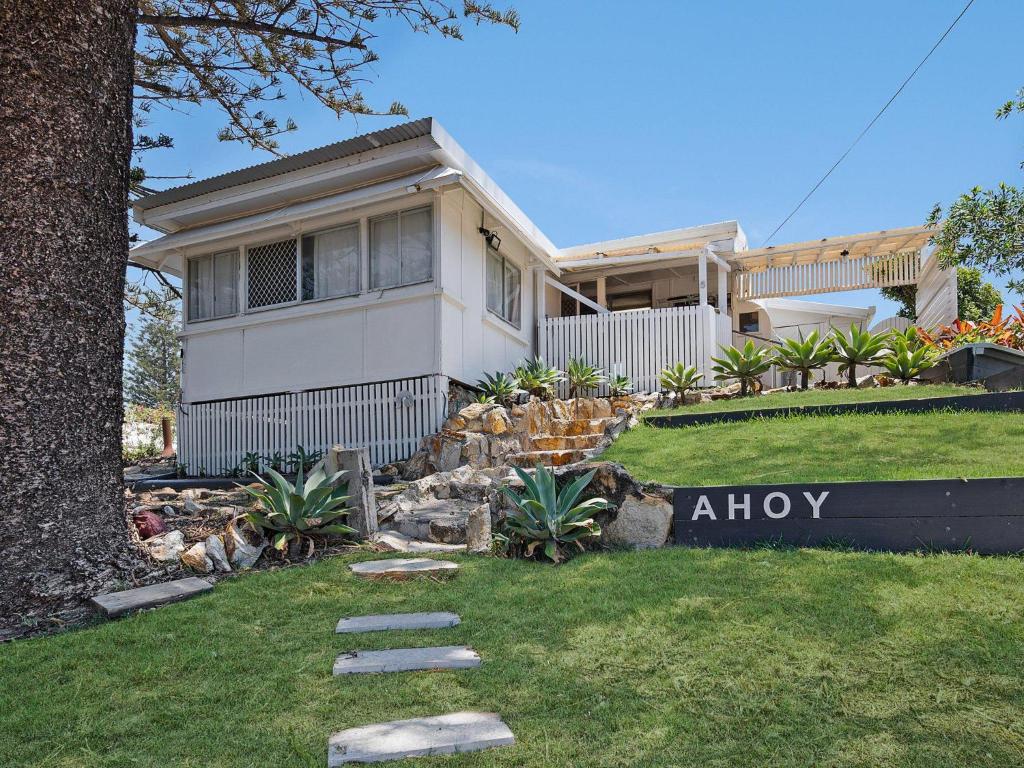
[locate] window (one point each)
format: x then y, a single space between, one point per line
213 286
401 248
504 287
271 274
750 322
330 263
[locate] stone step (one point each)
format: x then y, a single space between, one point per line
403 568
397 541
440 520
419 737
120 603
549 458
564 442
397 621
406 660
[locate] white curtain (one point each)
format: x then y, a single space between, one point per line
417 237
385 264
336 260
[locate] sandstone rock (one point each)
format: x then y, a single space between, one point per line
195 558
243 545
478 530
602 408
449 529
217 554
362 503
191 507
455 424
496 422
167 547
640 523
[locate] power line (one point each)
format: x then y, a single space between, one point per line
869 125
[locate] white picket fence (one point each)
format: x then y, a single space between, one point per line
637 343
389 418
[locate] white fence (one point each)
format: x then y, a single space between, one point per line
874 271
637 343
389 418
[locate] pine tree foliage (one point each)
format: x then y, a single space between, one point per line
153 362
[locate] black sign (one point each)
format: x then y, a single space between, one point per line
984 515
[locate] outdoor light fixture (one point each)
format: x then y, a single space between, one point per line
491 237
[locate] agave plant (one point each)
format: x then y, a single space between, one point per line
804 355
296 513
619 385
859 348
678 378
499 388
746 365
549 518
582 377
537 378
904 363
913 337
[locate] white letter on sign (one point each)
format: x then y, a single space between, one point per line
703 508
768 504
816 503
734 507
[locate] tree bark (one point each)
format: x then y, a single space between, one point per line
65 115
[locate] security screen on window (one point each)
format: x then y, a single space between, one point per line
504 288
401 248
213 286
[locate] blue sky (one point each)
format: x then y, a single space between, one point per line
602 122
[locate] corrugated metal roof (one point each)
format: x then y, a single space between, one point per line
367 141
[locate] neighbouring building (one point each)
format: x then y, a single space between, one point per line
334 296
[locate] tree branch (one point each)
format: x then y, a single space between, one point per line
246 26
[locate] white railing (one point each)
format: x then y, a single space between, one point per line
638 343
876 271
389 418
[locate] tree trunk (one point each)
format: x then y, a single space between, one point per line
65 113
805 377
851 374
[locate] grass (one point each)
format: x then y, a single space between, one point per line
676 657
824 397
798 449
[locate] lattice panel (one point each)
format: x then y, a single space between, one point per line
271 274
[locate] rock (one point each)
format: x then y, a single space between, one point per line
242 550
406 660
164 494
642 522
191 507
148 523
217 554
455 424
449 529
362 503
602 408
866 382
167 547
195 558
478 529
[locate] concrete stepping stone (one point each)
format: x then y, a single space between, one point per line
120 603
399 568
406 660
399 542
419 737
381 622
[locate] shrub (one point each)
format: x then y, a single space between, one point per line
905 363
678 378
582 377
537 378
804 355
293 514
545 517
619 385
1007 332
859 348
499 388
746 365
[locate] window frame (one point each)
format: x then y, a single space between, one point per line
397 214
187 284
358 224
297 243
504 264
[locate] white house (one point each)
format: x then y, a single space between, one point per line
333 296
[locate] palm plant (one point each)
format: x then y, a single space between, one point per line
746 365
804 355
619 385
499 388
905 363
582 376
545 516
678 378
861 347
537 378
296 513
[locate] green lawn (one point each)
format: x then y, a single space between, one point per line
823 397
675 657
825 448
